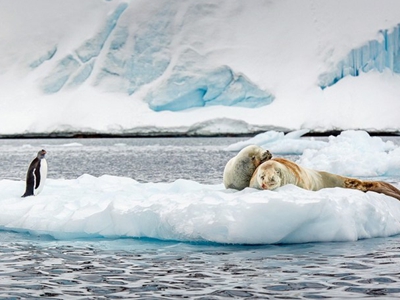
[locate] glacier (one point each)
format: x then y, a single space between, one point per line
187 68
196 88
77 65
134 59
47 56
380 54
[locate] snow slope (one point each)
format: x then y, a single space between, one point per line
189 67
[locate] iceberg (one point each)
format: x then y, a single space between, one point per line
355 153
187 211
279 143
352 153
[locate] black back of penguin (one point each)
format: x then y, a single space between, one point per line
36 175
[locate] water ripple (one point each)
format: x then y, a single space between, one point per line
171 271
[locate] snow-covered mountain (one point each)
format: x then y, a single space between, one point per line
198 67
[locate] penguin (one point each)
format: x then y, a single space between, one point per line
36 175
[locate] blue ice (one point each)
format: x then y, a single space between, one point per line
79 65
374 55
47 56
219 86
135 56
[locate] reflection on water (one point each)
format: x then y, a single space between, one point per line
40 267
128 268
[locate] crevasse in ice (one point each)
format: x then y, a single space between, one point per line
375 55
127 57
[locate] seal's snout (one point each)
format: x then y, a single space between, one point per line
266 156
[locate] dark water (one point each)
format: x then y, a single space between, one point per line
41 267
34 267
144 159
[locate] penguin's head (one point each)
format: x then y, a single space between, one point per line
41 154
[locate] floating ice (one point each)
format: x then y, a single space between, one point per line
71 145
188 211
355 153
352 153
279 143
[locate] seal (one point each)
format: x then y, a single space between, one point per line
277 172
36 175
240 168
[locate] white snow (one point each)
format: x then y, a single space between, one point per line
140 67
352 153
279 143
185 210
103 66
355 153
188 211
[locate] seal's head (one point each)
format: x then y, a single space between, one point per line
255 154
240 168
269 175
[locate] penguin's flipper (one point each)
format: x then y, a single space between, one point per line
30 184
36 175
28 192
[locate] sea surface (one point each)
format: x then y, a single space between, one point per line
33 266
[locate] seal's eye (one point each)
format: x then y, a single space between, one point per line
253 157
262 177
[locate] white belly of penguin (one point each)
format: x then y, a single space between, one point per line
43 176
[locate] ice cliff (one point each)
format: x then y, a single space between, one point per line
123 58
380 54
